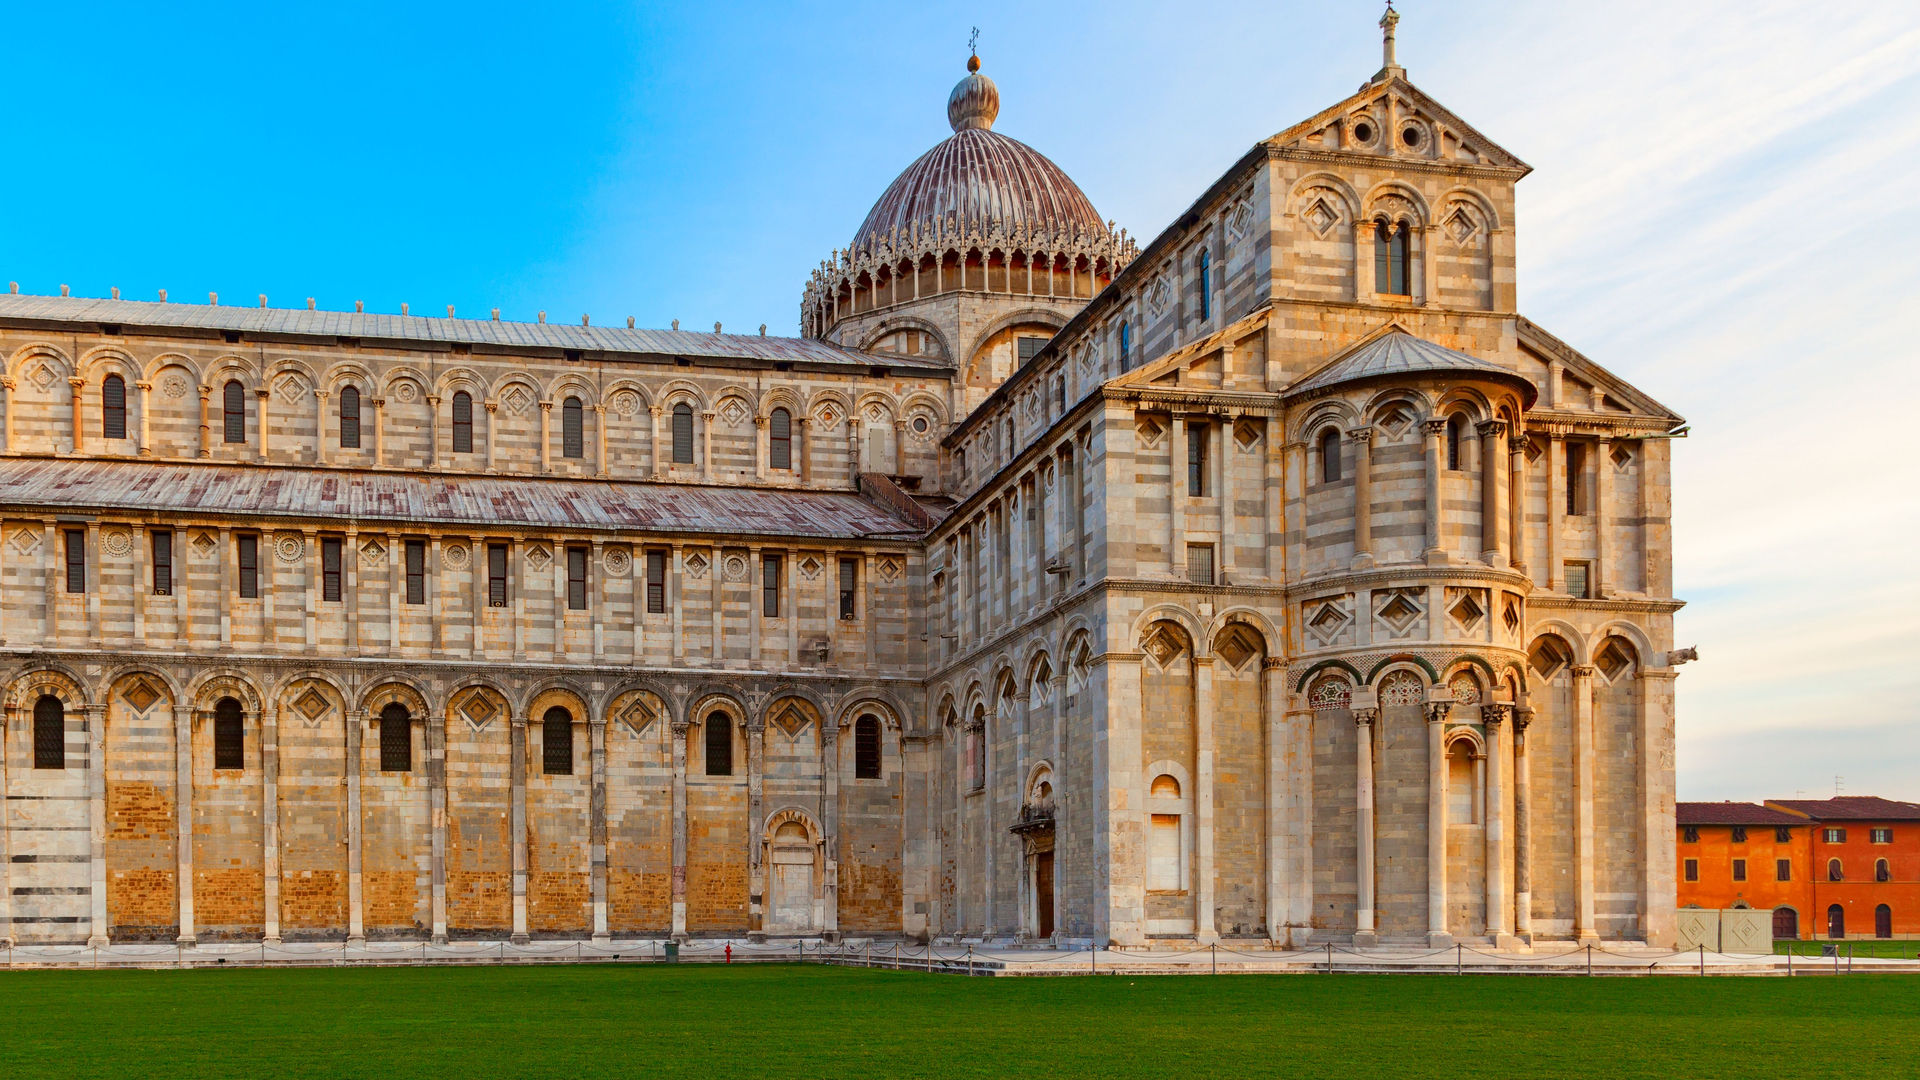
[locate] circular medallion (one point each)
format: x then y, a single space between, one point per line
290 548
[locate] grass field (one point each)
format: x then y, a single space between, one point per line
767 1021
1889 949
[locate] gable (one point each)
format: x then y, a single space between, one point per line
1394 119
1608 393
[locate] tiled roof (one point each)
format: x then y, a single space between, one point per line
341 495
1731 813
1398 353
369 326
1851 808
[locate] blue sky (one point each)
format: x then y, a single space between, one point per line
1719 213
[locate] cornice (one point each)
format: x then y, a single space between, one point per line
1376 162
1625 605
1398 575
1572 422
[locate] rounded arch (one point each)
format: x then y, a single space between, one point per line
1488 675
391 378
346 373
119 673
1038 666
1576 642
642 396
461 378
1251 618
1379 204
213 685
511 379
1381 405
1403 661
876 702
1315 180
1169 767
821 399
1335 412
103 360
875 399
610 697
49 677
783 397
1027 316
1188 623
571 384
1469 401
682 390
921 399
41 351
284 686
794 710
556 690
793 814
1634 635
719 701
1475 199
395 690
167 360
231 366
1040 773
1471 736
896 323
1354 678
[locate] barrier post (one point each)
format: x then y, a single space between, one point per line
896 956
1789 958
1329 957
1458 949
1703 960
969 960
1589 960
1215 951
1093 954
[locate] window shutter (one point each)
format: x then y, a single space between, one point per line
656 582
577 578
572 436
113 408
497 575
683 434
556 742
416 571
76 561
163 564
462 422
234 402
349 418
249 566
330 570
780 440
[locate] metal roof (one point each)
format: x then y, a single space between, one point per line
299 322
1731 813
1397 353
42 485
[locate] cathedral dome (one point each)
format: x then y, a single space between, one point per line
979 178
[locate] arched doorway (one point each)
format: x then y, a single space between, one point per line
1786 923
1836 922
1883 921
791 853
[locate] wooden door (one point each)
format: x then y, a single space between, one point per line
1786 923
1043 891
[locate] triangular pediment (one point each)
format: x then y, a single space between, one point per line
1603 391
1393 119
1194 365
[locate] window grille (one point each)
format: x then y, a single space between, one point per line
1029 347
1576 478
1390 260
49 733
349 418
234 406
849 581
780 439
330 569
1200 564
656 582
113 407
719 738
462 422
683 434
248 551
866 748
572 429
229 735
770 586
76 560
577 578
1197 459
396 739
163 564
497 575
556 742
1456 434
416 571
1576 580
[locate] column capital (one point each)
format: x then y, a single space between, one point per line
1434 427
546 406
76 381
1360 434
1517 442
1582 671
1493 714
1522 716
1491 429
1437 711
1365 717
679 727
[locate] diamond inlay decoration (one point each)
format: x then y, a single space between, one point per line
1163 645
479 711
372 553
205 545
1549 658
1236 647
1247 435
891 568
696 565
313 705
1466 610
1399 612
1460 225
809 568
733 411
516 399
827 415
638 714
538 557
288 386
26 541
1396 422
141 696
1512 616
1320 217
1622 456
44 377
1614 661
1149 431
792 721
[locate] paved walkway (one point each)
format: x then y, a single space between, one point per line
1554 958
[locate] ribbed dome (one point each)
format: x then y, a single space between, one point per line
980 178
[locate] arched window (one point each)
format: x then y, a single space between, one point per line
1833 870
719 737
229 735
1164 835
1203 267
1836 921
1330 456
113 408
233 402
780 439
396 739
1883 921
683 434
1164 787
49 733
556 742
350 418
866 748
572 433
1881 871
1456 434
462 422
1126 346
1390 259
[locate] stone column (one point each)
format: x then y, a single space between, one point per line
756 730
1657 902
830 883
260 410
1277 730
146 407
679 733
1494 718
477 563
599 439
1364 935
597 825
206 439
706 447
1223 493
270 818
319 426
546 436
899 445
356 920
493 410
804 451
1583 924
183 817
1428 236
1493 477
1522 828
656 462
1204 931
1361 440
437 796
379 434
1436 432
1602 582
97 821
1363 284
1517 500
1556 506
1177 436
433 430
1437 935
9 719
517 765
77 409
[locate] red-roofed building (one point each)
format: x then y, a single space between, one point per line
1828 868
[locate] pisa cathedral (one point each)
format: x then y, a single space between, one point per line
1273 581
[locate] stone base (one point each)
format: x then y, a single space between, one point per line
437 939
1439 939
1511 943
356 939
519 939
184 941
1437 557
1365 939
756 937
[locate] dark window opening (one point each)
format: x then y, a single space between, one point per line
1197 459
656 582
1126 346
1739 834
577 579
1739 869
719 738
349 418
1881 871
113 407
49 733
416 571
229 735
1029 347
1204 267
163 564
1783 834
1330 456
462 422
1390 260
1690 834
76 560
1836 921
572 429
1833 870
1200 564
1883 921
1456 434
396 739
247 547
556 742
849 582
866 748
1576 478
233 402
780 439
496 575
1693 869
683 434
1783 869
770 586
330 569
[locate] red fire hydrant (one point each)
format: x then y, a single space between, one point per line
729 952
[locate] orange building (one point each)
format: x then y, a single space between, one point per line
1828 868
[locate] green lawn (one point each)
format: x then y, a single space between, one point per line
766 1021
1888 949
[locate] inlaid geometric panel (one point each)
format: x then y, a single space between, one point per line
455 556
205 545
638 715
1330 692
1402 688
478 711
140 696
890 568
26 541
117 542
313 705
538 557
617 561
696 565
736 568
289 548
1399 610
1465 689
1465 609
809 567
372 553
